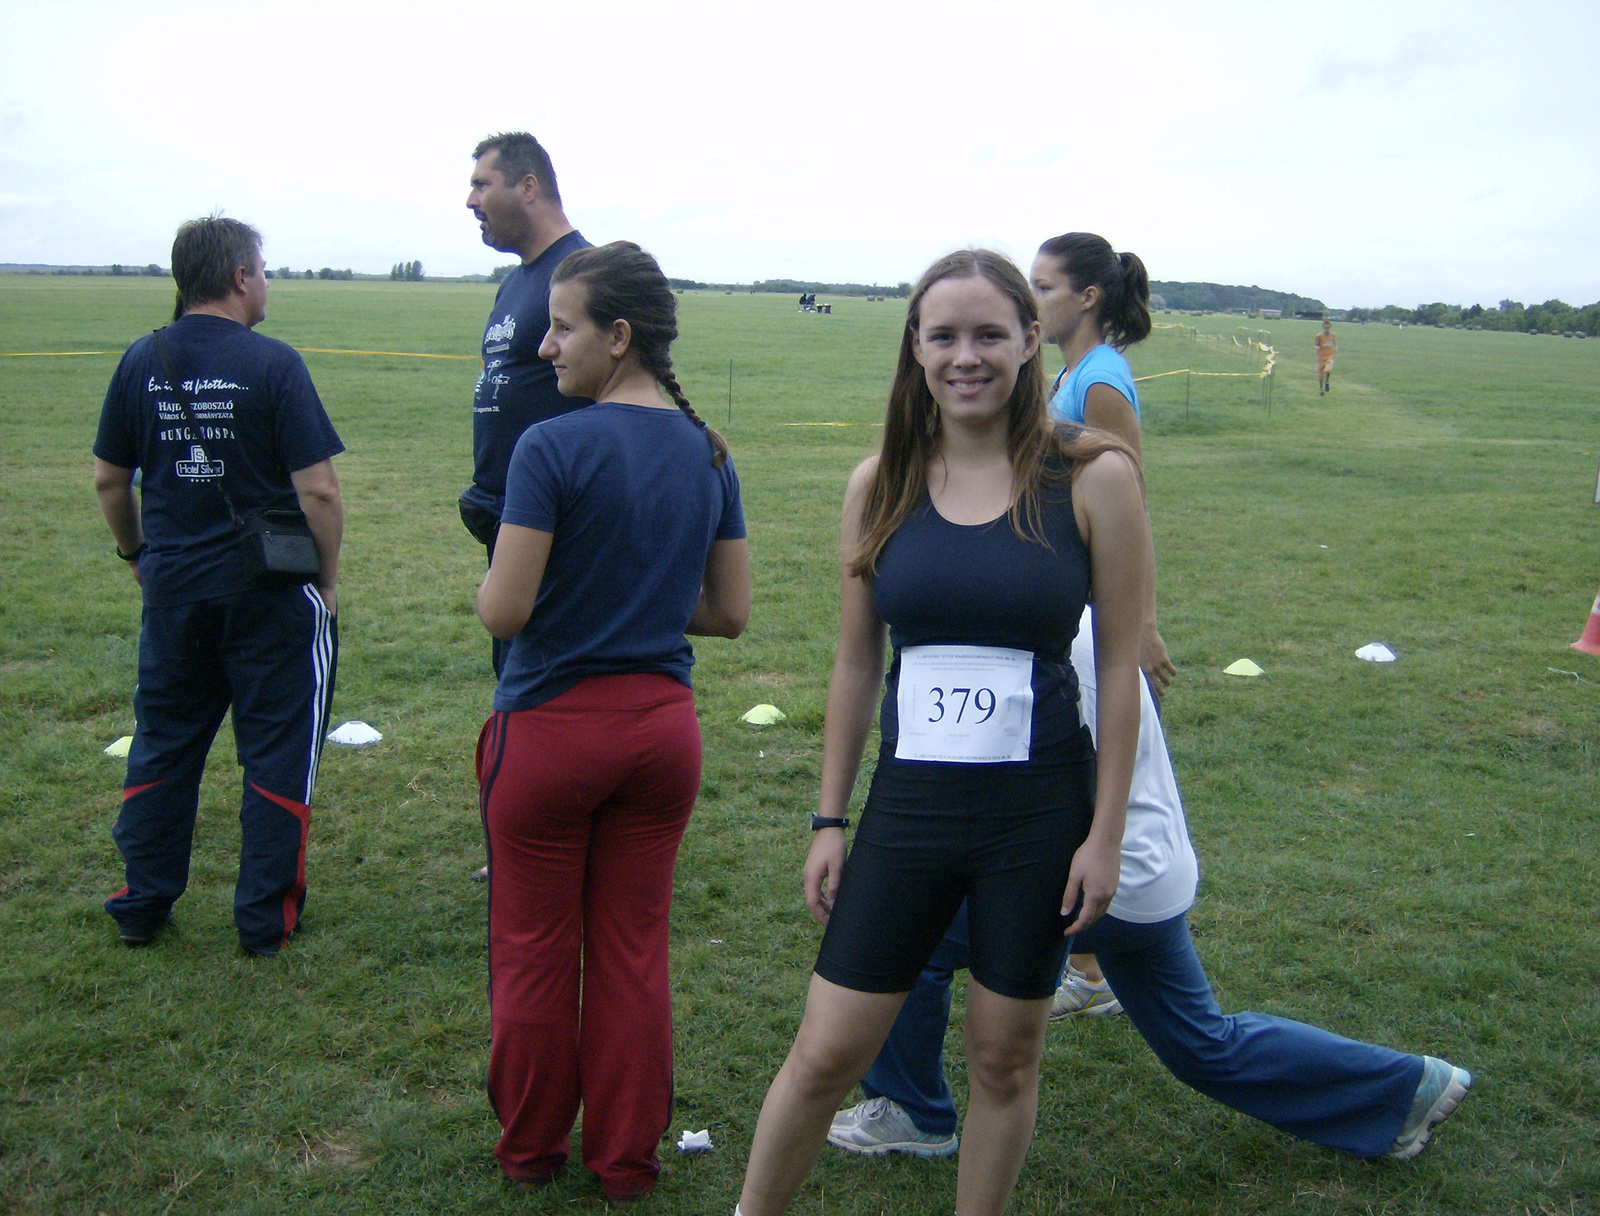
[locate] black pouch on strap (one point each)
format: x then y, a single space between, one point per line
278 546
274 545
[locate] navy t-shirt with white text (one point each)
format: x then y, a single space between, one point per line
516 388
633 504
257 418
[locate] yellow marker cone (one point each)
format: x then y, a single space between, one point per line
1243 667
763 715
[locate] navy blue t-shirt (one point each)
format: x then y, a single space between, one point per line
940 583
516 388
258 418
633 505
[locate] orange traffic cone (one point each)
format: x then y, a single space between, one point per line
1589 643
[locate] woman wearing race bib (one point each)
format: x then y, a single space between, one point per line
622 532
972 541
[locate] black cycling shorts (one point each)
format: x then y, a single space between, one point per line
1000 836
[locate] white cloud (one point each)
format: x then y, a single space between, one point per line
1363 153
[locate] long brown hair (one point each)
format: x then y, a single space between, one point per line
1043 452
624 283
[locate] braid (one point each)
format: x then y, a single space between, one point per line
623 282
668 381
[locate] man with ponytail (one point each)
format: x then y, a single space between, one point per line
517 205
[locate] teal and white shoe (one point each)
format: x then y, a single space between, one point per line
1442 1088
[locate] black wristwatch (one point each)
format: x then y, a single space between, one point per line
135 555
818 822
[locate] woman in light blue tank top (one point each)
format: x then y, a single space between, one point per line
1094 303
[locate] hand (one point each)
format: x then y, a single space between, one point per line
824 864
331 598
1153 661
133 569
1096 869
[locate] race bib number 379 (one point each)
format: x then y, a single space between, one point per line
965 704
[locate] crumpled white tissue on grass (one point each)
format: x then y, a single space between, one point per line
695 1142
354 734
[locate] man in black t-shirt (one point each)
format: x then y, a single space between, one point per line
518 207
243 420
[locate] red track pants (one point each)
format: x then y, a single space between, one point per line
585 799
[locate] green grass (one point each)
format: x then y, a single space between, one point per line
1402 853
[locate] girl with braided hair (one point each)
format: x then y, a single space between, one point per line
623 531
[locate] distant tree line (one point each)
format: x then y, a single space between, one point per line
327 272
500 272
1217 297
786 287
117 268
1551 317
406 272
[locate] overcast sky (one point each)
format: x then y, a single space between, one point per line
1361 153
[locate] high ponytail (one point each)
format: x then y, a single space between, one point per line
1087 259
624 283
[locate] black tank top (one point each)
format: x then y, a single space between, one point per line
983 585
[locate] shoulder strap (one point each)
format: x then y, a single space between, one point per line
182 394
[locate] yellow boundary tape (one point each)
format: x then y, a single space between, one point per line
42 354
394 354
1184 371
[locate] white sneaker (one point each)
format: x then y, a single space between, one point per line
1080 995
881 1125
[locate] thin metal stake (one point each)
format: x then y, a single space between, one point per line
1186 379
730 392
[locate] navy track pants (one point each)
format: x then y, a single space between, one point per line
1329 1090
271 654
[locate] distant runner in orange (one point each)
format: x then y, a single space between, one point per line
1327 347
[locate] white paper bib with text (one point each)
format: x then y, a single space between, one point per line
965 704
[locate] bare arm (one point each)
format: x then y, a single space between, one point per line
317 488
1105 409
506 598
1108 410
724 607
1112 518
852 693
113 485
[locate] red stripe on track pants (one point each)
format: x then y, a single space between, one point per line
585 800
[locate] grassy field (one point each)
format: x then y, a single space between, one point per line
1403 853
